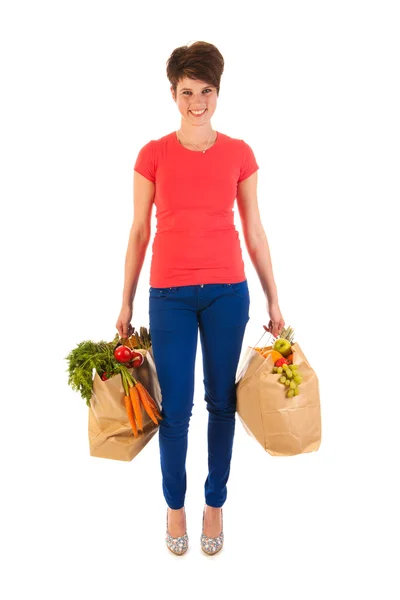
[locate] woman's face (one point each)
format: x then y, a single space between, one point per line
195 95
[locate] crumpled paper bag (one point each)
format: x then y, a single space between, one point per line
283 426
110 433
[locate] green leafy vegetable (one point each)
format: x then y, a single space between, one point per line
87 356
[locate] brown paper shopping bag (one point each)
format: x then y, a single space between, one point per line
283 426
110 433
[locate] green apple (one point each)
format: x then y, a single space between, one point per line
283 346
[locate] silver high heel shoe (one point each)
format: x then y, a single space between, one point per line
177 545
212 545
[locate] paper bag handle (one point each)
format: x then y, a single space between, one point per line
266 331
244 360
273 337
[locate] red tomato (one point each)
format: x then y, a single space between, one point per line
123 354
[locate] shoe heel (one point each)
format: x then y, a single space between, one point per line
177 545
212 545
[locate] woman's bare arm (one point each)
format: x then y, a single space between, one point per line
255 237
139 237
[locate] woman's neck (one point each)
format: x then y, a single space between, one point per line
188 138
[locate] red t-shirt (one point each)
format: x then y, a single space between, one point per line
196 240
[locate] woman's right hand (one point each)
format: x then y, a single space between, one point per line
123 324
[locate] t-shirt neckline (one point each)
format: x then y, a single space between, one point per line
196 151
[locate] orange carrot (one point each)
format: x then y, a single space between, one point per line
157 413
151 401
134 394
146 404
155 409
131 416
145 391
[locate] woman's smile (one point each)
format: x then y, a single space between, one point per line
198 114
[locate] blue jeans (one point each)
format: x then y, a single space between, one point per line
221 312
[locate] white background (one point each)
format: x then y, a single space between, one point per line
313 87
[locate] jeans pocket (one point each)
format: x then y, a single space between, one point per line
240 289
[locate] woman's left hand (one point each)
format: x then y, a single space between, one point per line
276 322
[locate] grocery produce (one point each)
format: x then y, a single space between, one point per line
283 346
131 416
111 359
123 354
153 404
137 359
135 399
281 361
147 401
261 348
138 341
89 356
287 372
275 355
84 358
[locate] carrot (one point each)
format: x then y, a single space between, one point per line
146 404
131 416
155 408
151 401
157 413
134 394
146 393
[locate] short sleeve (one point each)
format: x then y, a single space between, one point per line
145 162
249 164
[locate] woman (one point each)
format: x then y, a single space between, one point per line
197 279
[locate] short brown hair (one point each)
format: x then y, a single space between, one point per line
199 60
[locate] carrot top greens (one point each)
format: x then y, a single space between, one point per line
87 356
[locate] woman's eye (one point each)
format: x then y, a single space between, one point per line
207 90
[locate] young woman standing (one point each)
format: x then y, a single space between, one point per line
197 279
